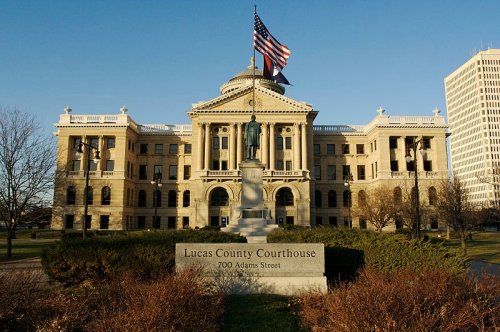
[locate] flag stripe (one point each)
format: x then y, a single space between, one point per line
267 45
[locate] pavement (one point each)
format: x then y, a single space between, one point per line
33 265
479 267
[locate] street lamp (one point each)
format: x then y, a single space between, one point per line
97 157
156 182
347 183
413 146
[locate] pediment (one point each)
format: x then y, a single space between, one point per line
241 99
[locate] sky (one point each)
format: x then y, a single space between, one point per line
159 57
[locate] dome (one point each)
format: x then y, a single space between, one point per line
244 77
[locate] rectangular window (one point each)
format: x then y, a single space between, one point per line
330 149
70 221
129 145
93 141
215 143
223 165
75 165
158 148
143 172
345 149
317 172
76 142
332 172
141 222
319 220
187 172
393 142
360 148
394 166
288 165
171 221
158 169
426 142
185 222
104 222
224 143
143 148
361 172
288 143
93 166
427 165
172 172
332 221
215 165
279 164
174 149
110 165
375 145
346 172
376 169
279 143
317 149
410 166
110 142
187 148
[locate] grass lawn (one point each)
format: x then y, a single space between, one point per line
261 313
23 248
484 246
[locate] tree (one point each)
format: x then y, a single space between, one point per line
455 208
27 162
377 207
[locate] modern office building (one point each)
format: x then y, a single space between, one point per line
473 104
305 164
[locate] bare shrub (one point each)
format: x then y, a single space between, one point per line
433 300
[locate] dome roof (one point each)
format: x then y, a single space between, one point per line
246 76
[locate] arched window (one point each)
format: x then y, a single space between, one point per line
71 196
89 193
432 196
332 198
142 198
361 198
106 195
347 198
157 196
186 198
219 197
318 198
398 195
284 197
172 198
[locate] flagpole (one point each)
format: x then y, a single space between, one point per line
253 78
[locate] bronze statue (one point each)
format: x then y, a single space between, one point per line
252 138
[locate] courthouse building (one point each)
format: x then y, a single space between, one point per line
305 164
473 104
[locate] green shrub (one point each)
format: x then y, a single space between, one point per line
347 250
145 255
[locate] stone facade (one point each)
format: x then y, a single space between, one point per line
199 162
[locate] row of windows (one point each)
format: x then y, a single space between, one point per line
172 171
105 196
345 149
331 172
69 222
93 141
109 165
158 148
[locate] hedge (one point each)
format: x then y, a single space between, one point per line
347 250
144 255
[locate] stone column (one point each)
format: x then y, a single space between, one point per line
200 146
296 147
304 145
207 146
239 144
232 147
100 146
83 160
265 146
272 147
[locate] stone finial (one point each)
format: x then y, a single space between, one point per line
436 111
380 111
252 63
123 109
67 110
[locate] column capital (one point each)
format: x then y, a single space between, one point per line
303 124
272 124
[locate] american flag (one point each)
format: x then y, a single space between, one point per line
267 45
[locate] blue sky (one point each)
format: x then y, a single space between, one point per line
158 57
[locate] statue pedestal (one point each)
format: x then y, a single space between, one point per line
254 220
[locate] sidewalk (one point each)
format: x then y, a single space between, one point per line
25 265
478 267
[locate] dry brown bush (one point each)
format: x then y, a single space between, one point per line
433 300
175 302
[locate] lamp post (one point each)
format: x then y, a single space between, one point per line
413 146
347 183
156 182
97 157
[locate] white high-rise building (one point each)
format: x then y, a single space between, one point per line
473 104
